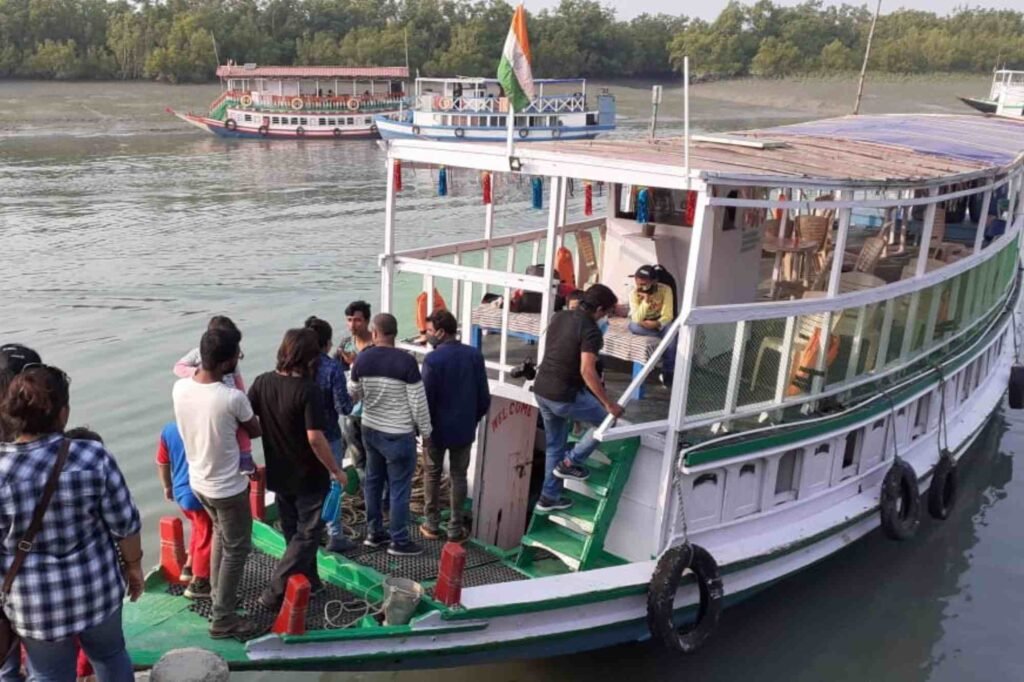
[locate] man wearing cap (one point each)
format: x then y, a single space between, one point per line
651 310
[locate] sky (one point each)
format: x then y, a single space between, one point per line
709 9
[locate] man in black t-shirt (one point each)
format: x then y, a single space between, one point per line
568 386
300 464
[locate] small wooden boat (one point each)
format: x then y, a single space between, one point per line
802 416
290 102
475 109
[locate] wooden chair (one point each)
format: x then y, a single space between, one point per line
939 248
588 268
814 228
870 253
807 325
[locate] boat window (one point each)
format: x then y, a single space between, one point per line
729 223
850 452
499 121
921 419
331 122
302 121
350 120
787 476
295 121
878 424
965 383
248 117
275 120
368 120
323 121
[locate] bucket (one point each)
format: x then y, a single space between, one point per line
401 597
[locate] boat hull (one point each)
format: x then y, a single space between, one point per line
249 132
393 130
985 106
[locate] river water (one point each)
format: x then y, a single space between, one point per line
122 231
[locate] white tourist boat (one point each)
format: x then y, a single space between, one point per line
302 102
476 109
1005 97
831 371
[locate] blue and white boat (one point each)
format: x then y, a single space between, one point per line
476 109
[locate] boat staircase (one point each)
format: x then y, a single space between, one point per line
576 536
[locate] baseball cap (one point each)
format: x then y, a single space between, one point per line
14 357
644 272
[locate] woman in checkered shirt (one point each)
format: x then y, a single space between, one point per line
73 581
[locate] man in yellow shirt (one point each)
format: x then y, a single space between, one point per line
651 311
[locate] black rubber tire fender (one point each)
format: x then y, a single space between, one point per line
1016 387
231 124
459 132
900 502
524 132
337 132
415 130
263 130
661 594
373 128
942 489
300 131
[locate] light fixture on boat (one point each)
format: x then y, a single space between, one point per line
515 164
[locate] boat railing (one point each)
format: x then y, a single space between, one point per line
558 104
351 104
468 270
432 102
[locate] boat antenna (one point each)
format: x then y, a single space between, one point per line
867 53
686 117
405 31
216 54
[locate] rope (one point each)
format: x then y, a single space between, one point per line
677 488
943 435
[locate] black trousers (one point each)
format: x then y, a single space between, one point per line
302 528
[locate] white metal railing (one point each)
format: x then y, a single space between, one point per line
557 104
471 246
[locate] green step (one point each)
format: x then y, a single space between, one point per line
563 543
582 515
600 474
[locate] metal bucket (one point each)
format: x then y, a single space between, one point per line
401 597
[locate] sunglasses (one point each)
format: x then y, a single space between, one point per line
50 368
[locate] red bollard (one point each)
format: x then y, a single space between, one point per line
448 589
172 548
291 619
258 494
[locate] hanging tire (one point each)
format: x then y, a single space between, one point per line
337 132
373 128
942 490
900 502
300 131
524 132
661 594
1016 397
459 132
231 124
415 130
556 133
263 130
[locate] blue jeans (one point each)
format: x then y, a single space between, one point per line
390 460
668 360
585 408
103 644
334 528
10 671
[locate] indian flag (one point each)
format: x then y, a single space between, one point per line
514 72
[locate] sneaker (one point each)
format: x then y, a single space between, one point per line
407 548
430 533
339 544
238 628
458 536
199 588
186 575
575 472
268 603
377 539
546 505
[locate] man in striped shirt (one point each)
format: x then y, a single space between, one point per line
388 382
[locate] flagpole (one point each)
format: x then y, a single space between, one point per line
510 126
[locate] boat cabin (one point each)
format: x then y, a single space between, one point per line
315 87
1008 92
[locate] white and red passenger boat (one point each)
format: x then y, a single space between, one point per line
336 102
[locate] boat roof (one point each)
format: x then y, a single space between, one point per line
851 151
477 79
359 72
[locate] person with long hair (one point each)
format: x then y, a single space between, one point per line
88 552
300 464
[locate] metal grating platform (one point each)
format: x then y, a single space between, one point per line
258 571
490 574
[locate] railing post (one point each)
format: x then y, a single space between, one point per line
387 272
979 237
548 297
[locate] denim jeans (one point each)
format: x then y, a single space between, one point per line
390 460
301 526
334 528
232 540
585 408
103 644
668 360
10 671
458 465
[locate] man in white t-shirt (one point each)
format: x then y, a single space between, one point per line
208 414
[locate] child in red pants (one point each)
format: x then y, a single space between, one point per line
173 469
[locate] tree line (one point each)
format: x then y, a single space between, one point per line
182 40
